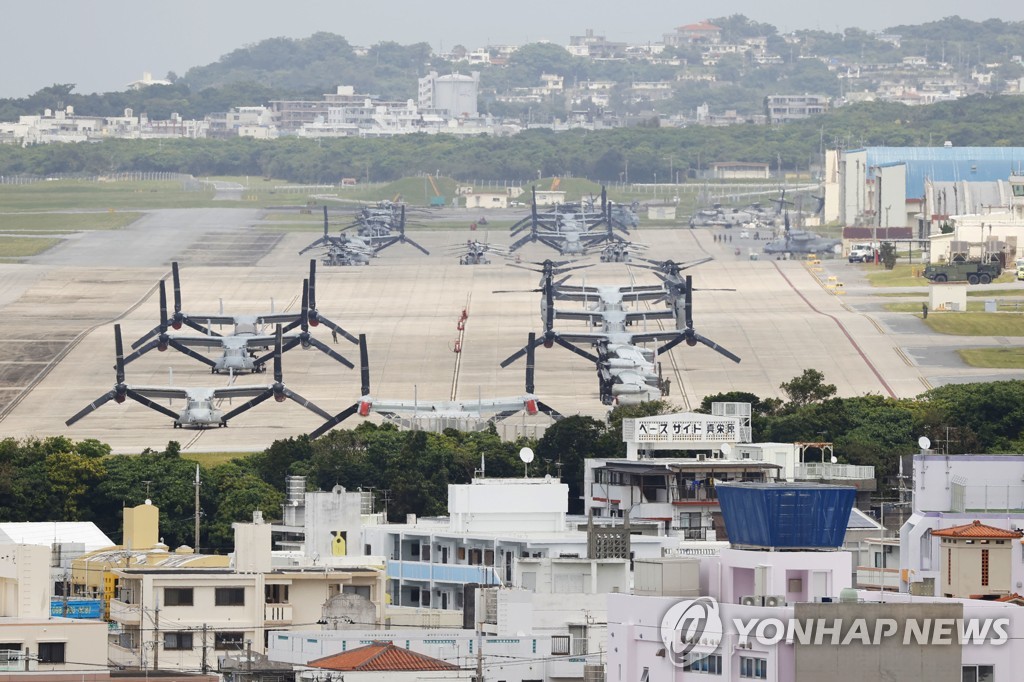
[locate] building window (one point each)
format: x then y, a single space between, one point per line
177 596
276 594
178 641
977 673
414 595
228 641
949 565
9 651
984 567
711 665
51 652
229 596
753 668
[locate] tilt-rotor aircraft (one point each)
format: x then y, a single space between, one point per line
239 350
482 411
201 410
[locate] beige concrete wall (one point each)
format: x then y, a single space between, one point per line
889 660
85 642
964 578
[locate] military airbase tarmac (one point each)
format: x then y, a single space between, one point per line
58 311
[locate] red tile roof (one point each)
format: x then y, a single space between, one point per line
977 530
701 26
381 656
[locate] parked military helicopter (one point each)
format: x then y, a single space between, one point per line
200 411
802 241
474 252
480 412
358 250
239 349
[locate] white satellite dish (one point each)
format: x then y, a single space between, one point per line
726 449
924 443
526 454
835 460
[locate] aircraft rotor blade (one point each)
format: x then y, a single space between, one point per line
530 360
549 411
312 283
143 400
249 404
334 421
335 327
118 355
715 347
177 288
308 404
410 241
142 351
288 345
324 348
576 349
106 397
191 353
278 371
364 366
188 321
521 352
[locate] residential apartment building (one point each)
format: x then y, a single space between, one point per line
183 618
492 524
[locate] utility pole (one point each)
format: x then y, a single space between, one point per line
479 653
156 637
206 667
248 660
195 546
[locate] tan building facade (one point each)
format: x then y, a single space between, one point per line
976 560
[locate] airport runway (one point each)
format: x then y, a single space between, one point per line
58 340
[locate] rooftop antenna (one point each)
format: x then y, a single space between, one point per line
526 454
146 483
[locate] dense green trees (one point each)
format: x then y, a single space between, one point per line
58 479
599 155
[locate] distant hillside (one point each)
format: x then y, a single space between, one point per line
318 63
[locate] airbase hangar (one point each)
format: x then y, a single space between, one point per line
780 316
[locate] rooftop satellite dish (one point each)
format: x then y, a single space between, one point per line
835 460
726 449
526 454
924 443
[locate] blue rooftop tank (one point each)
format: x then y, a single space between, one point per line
786 516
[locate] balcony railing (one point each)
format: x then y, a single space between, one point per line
828 472
878 578
121 612
277 613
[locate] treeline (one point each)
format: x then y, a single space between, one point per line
56 479
631 154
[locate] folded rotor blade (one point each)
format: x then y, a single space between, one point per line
143 400
334 421
106 397
288 345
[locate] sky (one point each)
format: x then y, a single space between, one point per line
104 46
